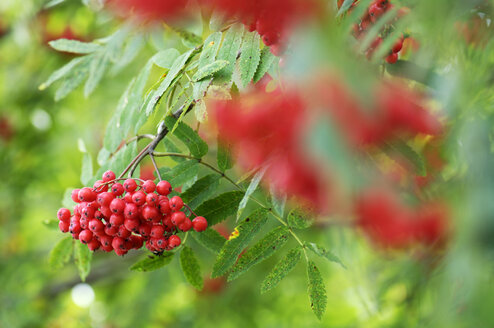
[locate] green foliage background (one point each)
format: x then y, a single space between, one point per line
42 159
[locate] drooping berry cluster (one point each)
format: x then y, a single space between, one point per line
114 216
377 9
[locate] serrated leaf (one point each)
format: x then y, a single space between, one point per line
209 238
191 268
278 201
250 190
262 250
82 256
73 80
87 169
297 219
219 208
410 155
61 253
201 190
61 72
189 137
281 269
97 70
320 251
156 95
206 65
180 173
171 147
265 62
74 46
209 69
224 156
130 52
166 58
316 290
232 248
191 39
249 57
152 263
228 51
201 111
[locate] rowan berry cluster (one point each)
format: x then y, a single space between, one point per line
375 11
120 217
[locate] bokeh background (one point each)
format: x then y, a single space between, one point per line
40 159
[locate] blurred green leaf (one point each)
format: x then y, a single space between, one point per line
208 71
247 230
281 269
299 220
207 65
189 137
409 154
278 201
83 257
219 208
77 75
74 46
316 290
62 72
166 58
320 251
250 190
262 250
191 268
224 157
229 51
97 69
265 62
61 253
151 263
209 238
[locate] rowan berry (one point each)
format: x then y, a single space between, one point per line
199 224
63 214
177 218
130 185
174 241
164 188
148 186
117 189
85 236
108 176
176 203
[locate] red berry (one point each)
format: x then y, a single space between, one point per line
86 195
148 186
152 199
199 224
104 198
164 207
177 218
123 232
83 221
99 186
111 230
160 243
105 210
150 213
186 225
375 11
106 241
94 245
139 198
130 185
176 203
128 197
74 227
398 45
85 236
174 241
157 231
75 195
132 225
393 58
96 225
164 188
136 241
108 176
145 229
131 211
118 243
64 226
116 220
117 206
63 214
117 189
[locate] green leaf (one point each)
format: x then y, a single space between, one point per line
152 263
262 250
250 190
267 59
281 269
62 72
297 219
82 256
61 253
74 46
191 268
249 57
155 96
166 58
412 71
171 147
228 51
219 208
73 80
67 201
87 169
191 39
224 156
278 201
130 52
344 7
51 224
316 290
180 173
189 137
201 190
97 70
320 251
208 70
209 238
232 248
409 154
206 66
